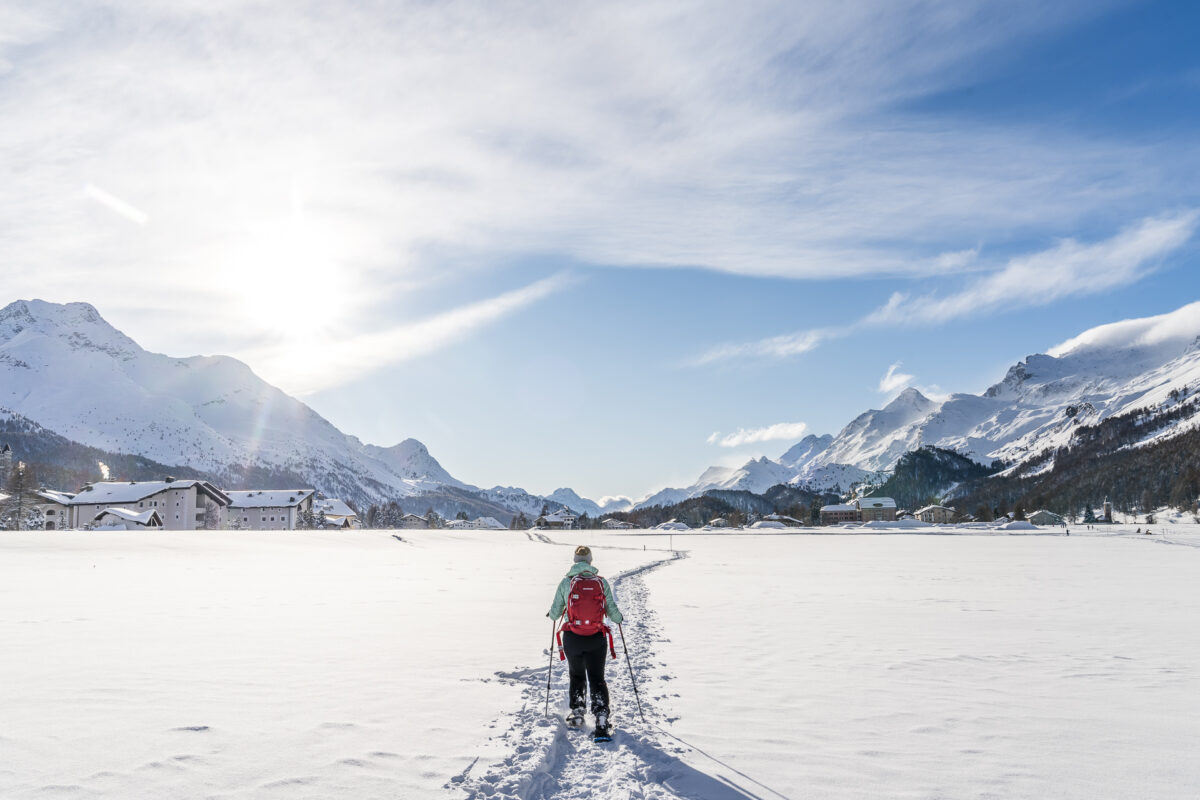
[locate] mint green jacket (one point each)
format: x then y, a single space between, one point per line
564 588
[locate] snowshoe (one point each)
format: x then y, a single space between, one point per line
575 718
603 732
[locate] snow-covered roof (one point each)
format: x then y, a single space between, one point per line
876 502
934 508
51 496
131 491
488 522
268 498
559 516
333 507
141 518
839 507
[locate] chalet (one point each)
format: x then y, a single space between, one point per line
123 519
616 524
838 513
559 519
270 509
718 522
181 505
876 508
1044 517
337 513
789 522
413 522
54 507
488 524
938 515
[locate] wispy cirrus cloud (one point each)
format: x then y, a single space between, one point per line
1068 269
770 433
894 379
355 356
758 139
791 344
117 205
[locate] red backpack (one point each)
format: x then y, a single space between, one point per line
586 603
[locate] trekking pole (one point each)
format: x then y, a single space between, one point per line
550 670
631 679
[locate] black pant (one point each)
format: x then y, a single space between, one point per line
585 663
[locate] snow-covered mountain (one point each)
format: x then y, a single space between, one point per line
593 508
1108 370
66 368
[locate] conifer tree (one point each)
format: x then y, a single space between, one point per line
14 509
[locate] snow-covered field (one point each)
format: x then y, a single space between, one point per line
318 665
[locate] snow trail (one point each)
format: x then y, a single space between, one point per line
643 762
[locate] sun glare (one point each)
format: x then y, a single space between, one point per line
288 284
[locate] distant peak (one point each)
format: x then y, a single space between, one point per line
908 398
78 323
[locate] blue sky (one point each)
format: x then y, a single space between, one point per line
565 244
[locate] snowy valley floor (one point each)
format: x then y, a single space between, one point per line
357 665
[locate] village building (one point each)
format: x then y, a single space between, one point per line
718 522
338 514
56 514
876 508
838 513
477 524
269 509
616 524
1044 517
790 522
937 515
123 519
181 505
413 522
559 519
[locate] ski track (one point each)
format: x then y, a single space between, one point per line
549 761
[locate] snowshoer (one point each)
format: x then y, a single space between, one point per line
585 599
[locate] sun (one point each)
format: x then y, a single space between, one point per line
288 283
